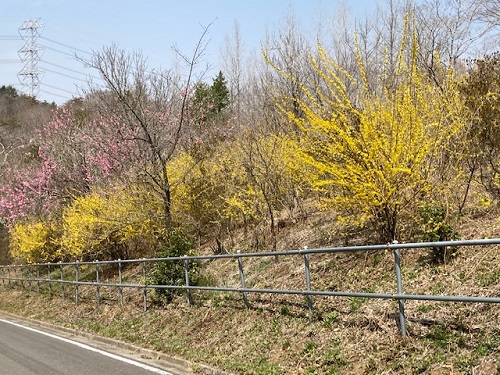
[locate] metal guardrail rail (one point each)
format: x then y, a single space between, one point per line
15 274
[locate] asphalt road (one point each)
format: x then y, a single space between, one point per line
29 351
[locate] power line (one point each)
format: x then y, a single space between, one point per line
62 67
73 77
32 50
66 45
57 88
69 69
51 93
65 75
58 50
10 37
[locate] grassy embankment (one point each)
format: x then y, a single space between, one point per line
277 335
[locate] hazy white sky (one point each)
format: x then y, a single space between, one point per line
151 26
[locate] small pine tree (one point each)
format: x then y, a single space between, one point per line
172 272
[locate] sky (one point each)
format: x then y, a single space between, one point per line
152 27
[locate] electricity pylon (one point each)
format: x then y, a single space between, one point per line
30 76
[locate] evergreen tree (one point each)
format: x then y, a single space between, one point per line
209 101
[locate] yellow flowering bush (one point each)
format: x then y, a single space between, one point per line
104 225
33 242
377 154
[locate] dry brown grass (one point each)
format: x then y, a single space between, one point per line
277 335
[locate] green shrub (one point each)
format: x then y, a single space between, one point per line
436 226
172 272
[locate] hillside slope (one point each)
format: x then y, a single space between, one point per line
277 335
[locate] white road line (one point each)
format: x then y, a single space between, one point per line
92 349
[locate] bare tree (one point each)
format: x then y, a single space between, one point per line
3 157
289 49
147 108
489 14
489 11
232 66
452 29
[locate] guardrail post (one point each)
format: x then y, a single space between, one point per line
186 277
120 289
3 276
145 289
48 280
23 279
399 282
37 278
77 266
62 280
30 275
308 281
8 276
242 280
27 276
21 276
19 279
15 276
98 292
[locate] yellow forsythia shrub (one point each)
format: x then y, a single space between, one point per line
104 225
33 242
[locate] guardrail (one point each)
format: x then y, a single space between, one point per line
13 275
